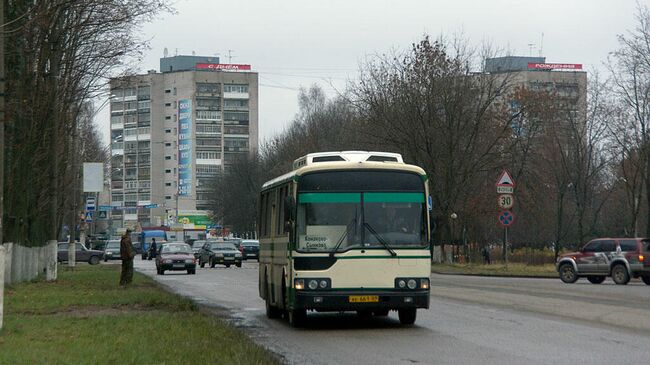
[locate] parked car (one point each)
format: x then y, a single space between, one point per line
219 253
112 250
620 258
250 249
175 256
81 253
235 241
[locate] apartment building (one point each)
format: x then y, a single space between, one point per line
172 133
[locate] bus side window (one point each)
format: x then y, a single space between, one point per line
263 204
279 227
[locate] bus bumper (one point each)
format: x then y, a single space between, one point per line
349 301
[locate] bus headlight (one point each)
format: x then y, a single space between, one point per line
299 284
412 283
312 284
401 283
424 284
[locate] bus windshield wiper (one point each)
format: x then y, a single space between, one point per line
345 234
379 238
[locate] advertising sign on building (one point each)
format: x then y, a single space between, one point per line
185 147
195 221
222 67
554 66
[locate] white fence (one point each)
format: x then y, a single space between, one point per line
26 263
19 263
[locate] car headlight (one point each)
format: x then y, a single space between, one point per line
167 261
237 255
189 261
218 254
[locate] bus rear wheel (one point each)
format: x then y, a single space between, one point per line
407 315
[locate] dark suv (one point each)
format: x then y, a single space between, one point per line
620 258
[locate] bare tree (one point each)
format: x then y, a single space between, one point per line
630 71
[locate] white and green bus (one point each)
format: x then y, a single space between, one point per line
345 231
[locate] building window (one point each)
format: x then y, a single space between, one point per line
169 117
168 144
167 91
168 197
168 184
168 157
168 104
242 89
168 171
168 130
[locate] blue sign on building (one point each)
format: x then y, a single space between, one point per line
185 147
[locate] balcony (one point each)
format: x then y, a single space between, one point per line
208 115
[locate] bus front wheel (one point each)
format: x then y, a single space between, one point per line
407 315
297 317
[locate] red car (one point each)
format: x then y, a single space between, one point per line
620 258
175 256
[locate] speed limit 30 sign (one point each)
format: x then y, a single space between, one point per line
506 201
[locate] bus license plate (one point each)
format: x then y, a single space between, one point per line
363 298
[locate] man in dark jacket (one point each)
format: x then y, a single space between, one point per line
153 249
126 251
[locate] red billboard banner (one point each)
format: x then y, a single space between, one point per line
554 66
222 67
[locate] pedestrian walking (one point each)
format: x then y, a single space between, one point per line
127 254
153 249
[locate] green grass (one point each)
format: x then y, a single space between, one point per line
86 318
514 269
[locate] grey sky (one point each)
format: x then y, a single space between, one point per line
298 43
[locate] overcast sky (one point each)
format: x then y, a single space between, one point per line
299 43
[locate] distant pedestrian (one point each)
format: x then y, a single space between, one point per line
127 254
153 249
486 255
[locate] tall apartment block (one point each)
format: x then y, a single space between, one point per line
566 81
172 133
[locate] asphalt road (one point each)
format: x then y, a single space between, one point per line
481 320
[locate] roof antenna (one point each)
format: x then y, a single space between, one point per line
541 47
230 56
165 53
530 48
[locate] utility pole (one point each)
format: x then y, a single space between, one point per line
2 115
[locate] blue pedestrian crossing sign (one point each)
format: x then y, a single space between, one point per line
506 218
89 217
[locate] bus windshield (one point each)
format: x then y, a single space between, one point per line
329 219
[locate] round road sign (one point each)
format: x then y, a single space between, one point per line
506 218
506 201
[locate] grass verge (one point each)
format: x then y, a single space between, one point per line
513 269
86 318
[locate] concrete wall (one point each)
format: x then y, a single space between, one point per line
26 263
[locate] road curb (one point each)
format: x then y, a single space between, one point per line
490 275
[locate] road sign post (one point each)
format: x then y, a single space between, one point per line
505 187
